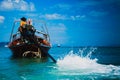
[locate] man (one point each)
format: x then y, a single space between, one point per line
30 32
23 23
30 28
27 30
22 28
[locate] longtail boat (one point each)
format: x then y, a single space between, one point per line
36 45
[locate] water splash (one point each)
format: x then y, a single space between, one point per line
79 63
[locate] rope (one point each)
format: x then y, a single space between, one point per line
37 54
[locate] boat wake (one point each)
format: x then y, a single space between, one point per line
81 63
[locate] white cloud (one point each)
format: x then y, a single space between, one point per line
20 5
32 6
2 18
8 5
58 33
33 15
60 27
17 1
57 16
77 17
72 17
54 16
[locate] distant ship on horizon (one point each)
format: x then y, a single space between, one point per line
58 45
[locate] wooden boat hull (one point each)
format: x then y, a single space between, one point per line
19 50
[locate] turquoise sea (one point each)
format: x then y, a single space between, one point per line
73 63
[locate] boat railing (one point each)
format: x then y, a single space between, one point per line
45 33
12 35
45 30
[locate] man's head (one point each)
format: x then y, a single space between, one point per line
23 19
29 21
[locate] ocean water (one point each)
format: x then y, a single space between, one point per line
73 63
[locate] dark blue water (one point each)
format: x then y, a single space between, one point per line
73 63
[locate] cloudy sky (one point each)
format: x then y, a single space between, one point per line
70 22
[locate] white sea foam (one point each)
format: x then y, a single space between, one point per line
22 77
80 63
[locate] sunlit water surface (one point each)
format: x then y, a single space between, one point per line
81 63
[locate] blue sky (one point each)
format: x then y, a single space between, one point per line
70 22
